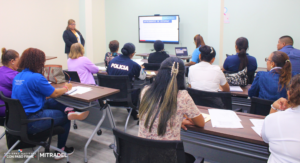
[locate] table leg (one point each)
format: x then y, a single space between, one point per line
94 132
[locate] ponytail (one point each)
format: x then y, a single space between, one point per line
8 55
243 59
281 59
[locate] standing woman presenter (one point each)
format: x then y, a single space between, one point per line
72 35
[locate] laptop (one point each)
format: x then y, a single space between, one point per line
181 51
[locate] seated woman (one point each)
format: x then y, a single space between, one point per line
114 48
238 62
84 67
123 65
272 85
160 55
165 103
9 59
32 89
198 40
281 129
205 76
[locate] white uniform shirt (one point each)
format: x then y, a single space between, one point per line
206 77
281 130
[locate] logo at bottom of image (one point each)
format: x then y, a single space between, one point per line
38 155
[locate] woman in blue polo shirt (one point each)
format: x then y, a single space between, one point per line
32 89
198 40
238 62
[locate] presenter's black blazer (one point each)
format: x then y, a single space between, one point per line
70 38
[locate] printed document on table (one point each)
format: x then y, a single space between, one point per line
70 91
81 90
101 68
258 124
150 73
224 118
235 89
138 61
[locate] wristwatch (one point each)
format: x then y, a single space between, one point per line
275 108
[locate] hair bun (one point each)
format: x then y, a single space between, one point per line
205 50
3 50
124 51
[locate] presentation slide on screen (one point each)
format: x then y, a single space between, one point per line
164 28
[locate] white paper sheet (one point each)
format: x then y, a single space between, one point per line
81 90
138 61
224 118
70 91
235 89
258 124
150 73
257 129
101 68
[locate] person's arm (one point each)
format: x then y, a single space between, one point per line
192 113
66 39
254 90
81 38
281 104
60 91
90 66
223 82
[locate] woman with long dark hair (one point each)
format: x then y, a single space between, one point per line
241 60
165 103
281 130
71 35
272 85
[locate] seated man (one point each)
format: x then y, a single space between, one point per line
160 55
123 65
285 44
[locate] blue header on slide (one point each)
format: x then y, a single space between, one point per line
169 17
157 21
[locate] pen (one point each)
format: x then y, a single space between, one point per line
69 79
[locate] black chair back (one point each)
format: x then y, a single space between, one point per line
260 106
221 100
73 75
130 148
2 119
251 76
152 66
120 82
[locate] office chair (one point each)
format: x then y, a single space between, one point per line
130 148
2 119
152 66
16 125
123 98
221 100
73 75
260 106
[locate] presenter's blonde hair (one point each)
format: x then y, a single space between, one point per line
77 50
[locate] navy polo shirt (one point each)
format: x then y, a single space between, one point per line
294 55
232 63
31 89
123 65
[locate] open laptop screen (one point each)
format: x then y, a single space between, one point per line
181 51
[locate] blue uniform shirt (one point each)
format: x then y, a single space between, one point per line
195 55
294 55
265 86
123 65
232 63
31 89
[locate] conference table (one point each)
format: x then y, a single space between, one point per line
224 145
98 116
146 55
47 58
242 94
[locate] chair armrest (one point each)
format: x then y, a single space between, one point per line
199 160
25 121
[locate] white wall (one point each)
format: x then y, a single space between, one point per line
262 22
122 21
38 24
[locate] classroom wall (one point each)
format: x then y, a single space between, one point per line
262 22
38 24
121 20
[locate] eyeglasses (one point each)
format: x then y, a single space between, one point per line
266 59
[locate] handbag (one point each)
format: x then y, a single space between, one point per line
108 58
54 74
237 79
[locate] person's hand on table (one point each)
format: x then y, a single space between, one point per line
69 86
281 104
186 121
142 66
